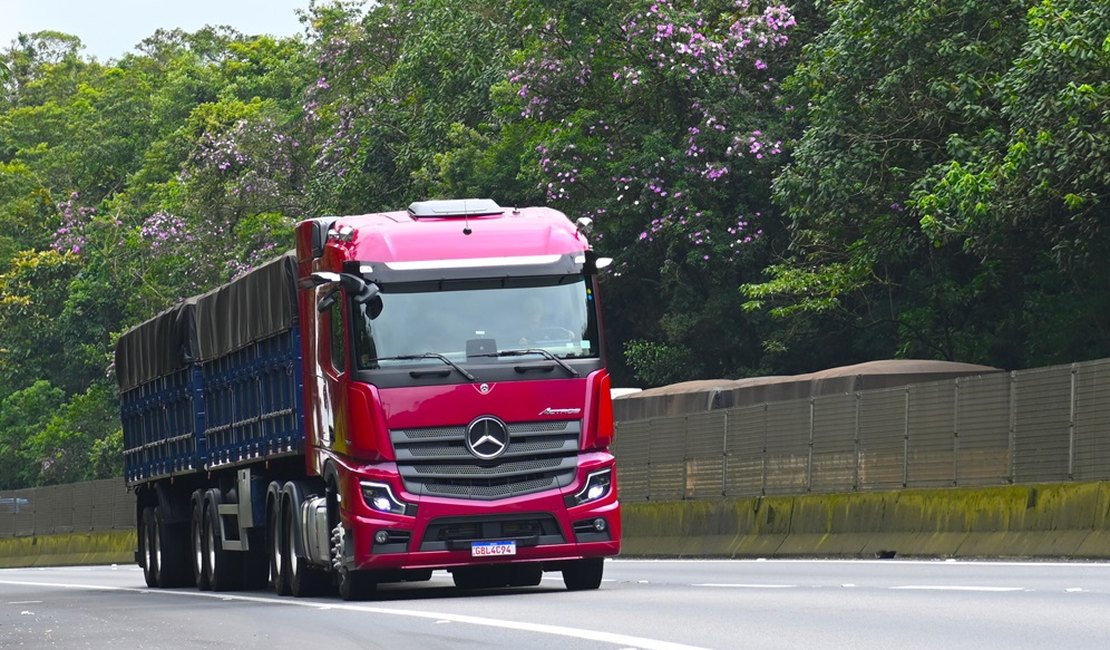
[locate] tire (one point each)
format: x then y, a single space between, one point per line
172 550
356 585
276 545
304 580
352 585
198 550
585 574
147 530
224 569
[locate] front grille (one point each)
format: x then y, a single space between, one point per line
435 461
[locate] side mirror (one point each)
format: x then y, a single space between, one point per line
360 289
327 301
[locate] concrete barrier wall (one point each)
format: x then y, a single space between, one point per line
105 547
1061 521
1030 521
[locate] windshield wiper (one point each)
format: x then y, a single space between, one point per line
539 351
429 355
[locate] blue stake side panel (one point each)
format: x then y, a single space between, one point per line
160 425
255 402
215 380
246 405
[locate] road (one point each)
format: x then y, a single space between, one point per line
665 605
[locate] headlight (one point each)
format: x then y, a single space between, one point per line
597 486
379 497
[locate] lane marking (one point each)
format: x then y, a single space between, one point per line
623 640
956 588
24 602
741 585
892 562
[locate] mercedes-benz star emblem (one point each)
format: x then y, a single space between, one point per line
487 438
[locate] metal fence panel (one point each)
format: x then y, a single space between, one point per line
882 439
787 447
1092 421
930 461
833 458
1042 421
633 449
83 504
705 453
667 481
983 430
745 450
24 519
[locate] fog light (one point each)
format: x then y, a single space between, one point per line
599 524
381 537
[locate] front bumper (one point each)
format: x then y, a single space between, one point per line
544 526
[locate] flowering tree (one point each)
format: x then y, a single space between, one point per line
662 121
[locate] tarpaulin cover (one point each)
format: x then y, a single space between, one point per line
253 307
708 394
157 347
250 308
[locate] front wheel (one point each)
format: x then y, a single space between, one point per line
583 574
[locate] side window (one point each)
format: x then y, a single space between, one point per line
338 340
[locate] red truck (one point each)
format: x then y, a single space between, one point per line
407 391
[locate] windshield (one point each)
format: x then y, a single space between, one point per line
478 320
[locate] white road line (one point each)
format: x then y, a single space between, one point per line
892 562
24 602
956 588
743 585
622 640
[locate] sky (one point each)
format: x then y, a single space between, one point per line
110 28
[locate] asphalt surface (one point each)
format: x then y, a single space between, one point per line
641 604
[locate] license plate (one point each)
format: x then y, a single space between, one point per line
492 549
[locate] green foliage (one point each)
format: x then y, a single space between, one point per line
23 413
782 188
76 442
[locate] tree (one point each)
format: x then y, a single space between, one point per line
889 89
23 413
662 122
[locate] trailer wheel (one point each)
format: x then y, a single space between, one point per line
171 550
304 580
278 571
196 535
223 570
146 544
583 574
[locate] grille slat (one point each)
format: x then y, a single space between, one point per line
435 461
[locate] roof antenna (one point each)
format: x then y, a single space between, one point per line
466 224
